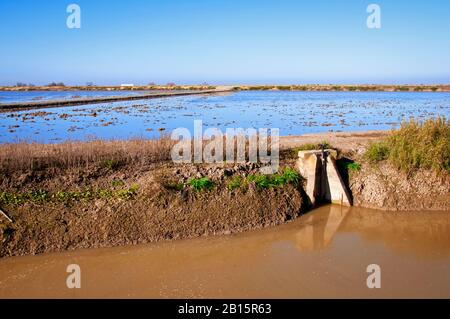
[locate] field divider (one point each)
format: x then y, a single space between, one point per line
7 107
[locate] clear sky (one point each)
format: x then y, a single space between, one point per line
224 41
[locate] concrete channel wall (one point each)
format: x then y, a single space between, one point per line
324 183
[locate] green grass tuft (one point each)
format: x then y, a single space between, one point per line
129 193
376 152
416 145
66 197
201 184
235 183
353 167
261 181
312 146
289 176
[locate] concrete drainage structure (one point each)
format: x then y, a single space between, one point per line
324 184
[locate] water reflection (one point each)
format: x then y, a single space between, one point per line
420 233
320 228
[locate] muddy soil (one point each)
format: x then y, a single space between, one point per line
382 186
160 210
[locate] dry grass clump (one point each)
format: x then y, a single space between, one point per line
416 145
106 153
22 156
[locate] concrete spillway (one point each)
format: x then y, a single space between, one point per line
324 183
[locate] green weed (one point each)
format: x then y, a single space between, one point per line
289 176
235 183
353 167
416 145
200 184
129 193
376 152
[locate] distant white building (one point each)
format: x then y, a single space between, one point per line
127 85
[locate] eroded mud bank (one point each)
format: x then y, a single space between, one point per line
106 203
118 207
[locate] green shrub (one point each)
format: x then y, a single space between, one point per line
376 152
421 145
200 184
36 196
64 196
289 176
235 183
128 193
416 145
14 199
261 181
353 166
39 196
87 194
105 193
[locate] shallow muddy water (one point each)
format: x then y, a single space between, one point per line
324 253
294 113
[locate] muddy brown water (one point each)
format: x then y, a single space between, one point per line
324 253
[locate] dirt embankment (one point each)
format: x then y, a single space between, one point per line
383 186
16 106
161 206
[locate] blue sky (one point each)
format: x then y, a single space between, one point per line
224 41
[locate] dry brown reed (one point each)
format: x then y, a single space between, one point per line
23 156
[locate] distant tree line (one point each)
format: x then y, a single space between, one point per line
56 84
21 84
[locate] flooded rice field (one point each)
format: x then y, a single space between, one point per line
295 113
36 96
324 253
